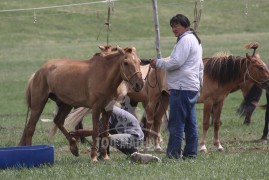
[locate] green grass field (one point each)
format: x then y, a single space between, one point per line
30 38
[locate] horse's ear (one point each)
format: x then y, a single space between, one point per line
102 48
255 55
128 50
105 48
248 56
120 50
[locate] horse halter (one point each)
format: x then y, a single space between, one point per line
126 77
258 82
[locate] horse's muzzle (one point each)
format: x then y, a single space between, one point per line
138 86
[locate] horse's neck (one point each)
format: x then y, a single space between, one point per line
112 73
243 72
242 78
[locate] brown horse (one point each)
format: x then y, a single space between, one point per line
221 76
154 98
76 83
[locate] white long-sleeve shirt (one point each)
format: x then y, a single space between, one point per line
185 66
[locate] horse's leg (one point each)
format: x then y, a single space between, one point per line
216 117
266 119
160 112
143 121
80 126
59 119
95 126
36 109
206 124
150 111
104 134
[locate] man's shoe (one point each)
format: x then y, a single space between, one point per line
144 158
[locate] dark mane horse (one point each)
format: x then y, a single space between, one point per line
223 74
223 68
76 83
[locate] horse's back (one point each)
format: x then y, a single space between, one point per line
65 78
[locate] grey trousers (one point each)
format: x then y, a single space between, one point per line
126 143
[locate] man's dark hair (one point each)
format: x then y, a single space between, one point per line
180 19
183 21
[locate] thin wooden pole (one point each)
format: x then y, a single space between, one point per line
157 30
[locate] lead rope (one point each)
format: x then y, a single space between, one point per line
147 79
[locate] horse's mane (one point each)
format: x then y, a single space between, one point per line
106 50
97 54
223 67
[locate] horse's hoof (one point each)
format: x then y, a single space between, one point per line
158 149
247 123
264 141
106 158
73 147
220 148
94 160
74 152
203 149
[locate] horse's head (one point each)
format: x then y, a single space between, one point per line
258 71
130 69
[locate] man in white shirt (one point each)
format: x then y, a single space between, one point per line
184 78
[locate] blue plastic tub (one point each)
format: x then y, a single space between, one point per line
26 156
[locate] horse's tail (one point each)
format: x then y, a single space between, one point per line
28 91
72 119
247 105
28 97
76 116
264 106
54 127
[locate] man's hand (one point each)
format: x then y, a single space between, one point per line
153 63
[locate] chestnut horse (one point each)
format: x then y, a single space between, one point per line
222 75
154 97
76 83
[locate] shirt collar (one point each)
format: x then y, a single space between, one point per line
184 34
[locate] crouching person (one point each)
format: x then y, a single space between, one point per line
125 135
